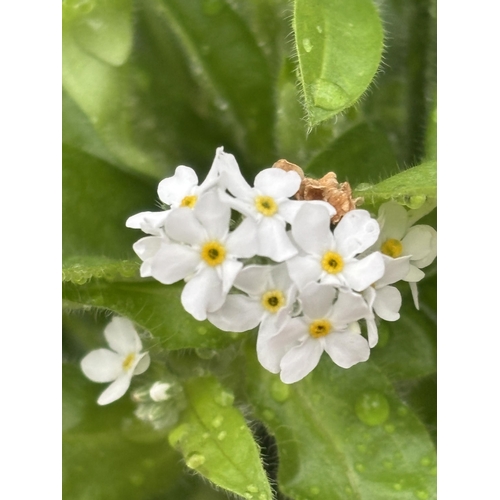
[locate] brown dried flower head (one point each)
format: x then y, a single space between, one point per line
328 189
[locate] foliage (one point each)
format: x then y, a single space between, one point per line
329 85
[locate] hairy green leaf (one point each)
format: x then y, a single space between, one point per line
343 434
79 270
339 48
215 441
153 306
413 188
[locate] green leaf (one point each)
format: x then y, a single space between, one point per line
215 441
153 306
102 27
339 48
104 457
413 187
431 136
79 270
97 200
361 154
229 68
343 434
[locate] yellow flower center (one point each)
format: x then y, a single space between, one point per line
273 300
393 248
319 328
128 361
266 205
189 201
332 262
213 253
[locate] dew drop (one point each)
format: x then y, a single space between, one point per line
217 421
306 43
201 330
416 201
372 408
224 398
136 479
268 414
389 428
314 490
319 29
222 435
252 488
364 186
248 496
280 391
262 496
328 95
205 435
422 495
212 7
195 460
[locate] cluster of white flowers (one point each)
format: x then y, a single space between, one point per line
318 283
314 288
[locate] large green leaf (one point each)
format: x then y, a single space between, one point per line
107 453
97 200
414 187
216 442
339 48
343 434
153 306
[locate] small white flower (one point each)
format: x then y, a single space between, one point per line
382 299
267 203
271 297
325 326
204 253
119 364
159 391
332 257
398 239
182 190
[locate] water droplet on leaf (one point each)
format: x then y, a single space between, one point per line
372 408
217 421
327 95
306 43
195 460
222 435
224 398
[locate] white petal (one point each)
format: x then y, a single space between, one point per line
147 247
213 214
253 279
238 314
317 300
142 364
431 255
371 325
414 293
280 277
273 240
360 274
174 262
356 232
300 360
311 229
349 307
347 349
395 270
388 303
101 365
183 226
418 242
229 270
149 222
116 390
393 219
122 337
414 274
231 178
242 242
277 183
304 270
201 293
369 295
213 174
290 208
272 346
173 189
